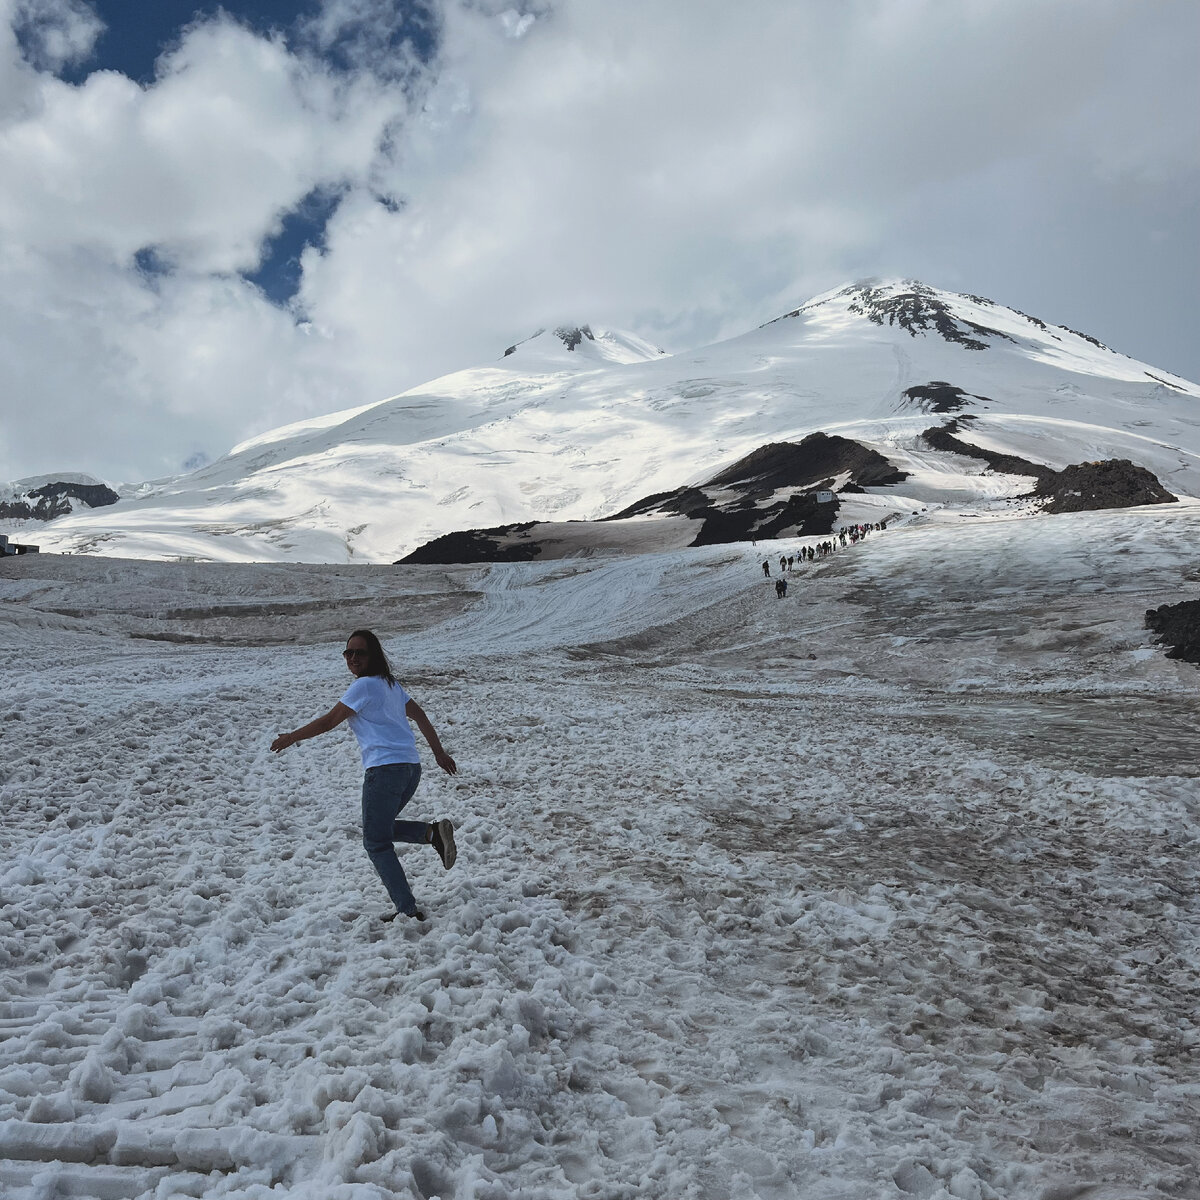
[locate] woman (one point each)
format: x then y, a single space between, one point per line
378 710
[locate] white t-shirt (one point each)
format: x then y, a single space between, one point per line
383 732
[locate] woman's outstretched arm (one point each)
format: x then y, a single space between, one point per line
331 720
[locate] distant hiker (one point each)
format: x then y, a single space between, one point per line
767 567
379 710
781 588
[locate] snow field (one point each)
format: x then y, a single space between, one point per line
908 918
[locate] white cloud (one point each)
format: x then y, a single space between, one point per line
699 166
56 32
234 132
131 374
685 168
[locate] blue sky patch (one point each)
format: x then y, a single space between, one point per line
279 273
136 34
386 40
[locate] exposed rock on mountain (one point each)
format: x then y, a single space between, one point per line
939 396
582 342
815 461
571 336
782 489
920 310
1113 483
941 437
916 308
505 543
1177 626
742 501
1081 487
49 500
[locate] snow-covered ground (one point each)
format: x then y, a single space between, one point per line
885 889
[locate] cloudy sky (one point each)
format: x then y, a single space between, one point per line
217 220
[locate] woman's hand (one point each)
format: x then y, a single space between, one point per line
331 720
416 713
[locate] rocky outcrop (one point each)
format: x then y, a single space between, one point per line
1113 483
813 464
1177 626
941 437
503 543
919 309
52 500
1081 487
938 396
572 335
781 489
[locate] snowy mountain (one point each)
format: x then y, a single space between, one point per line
45 497
577 424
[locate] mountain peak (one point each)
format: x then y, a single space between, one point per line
970 321
579 344
918 308
913 306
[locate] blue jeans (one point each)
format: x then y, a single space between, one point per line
386 790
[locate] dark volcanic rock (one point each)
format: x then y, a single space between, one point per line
917 309
20 510
941 437
799 515
1087 337
1113 483
682 502
1165 382
477 545
735 505
812 462
1177 626
1081 487
572 335
54 500
938 396
920 310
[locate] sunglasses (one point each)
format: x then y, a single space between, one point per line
355 654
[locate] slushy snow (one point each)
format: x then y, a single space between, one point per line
886 889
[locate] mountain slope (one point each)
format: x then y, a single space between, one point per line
575 424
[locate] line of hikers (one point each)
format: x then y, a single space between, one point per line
849 535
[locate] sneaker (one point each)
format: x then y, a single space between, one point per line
442 840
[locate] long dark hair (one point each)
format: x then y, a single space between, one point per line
377 661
